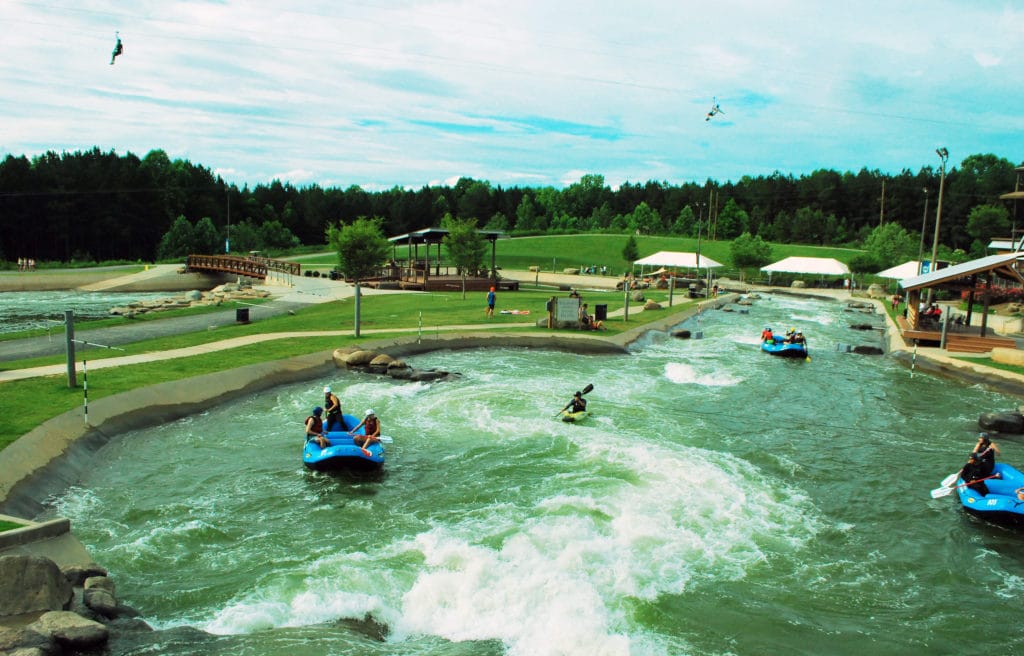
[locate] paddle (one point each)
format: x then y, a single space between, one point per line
807 350
586 390
945 491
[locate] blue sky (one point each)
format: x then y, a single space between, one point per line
383 93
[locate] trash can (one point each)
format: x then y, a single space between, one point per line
601 312
241 315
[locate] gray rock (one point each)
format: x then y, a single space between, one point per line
1002 422
427 376
30 584
71 630
102 601
22 640
77 574
867 350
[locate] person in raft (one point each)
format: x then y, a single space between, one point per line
372 425
578 403
333 405
973 473
986 450
766 335
315 428
490 302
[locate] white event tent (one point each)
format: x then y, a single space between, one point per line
823 266
901 271
678 260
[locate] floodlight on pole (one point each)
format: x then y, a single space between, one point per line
943 155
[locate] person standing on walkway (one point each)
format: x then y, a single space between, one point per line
333 405
490 303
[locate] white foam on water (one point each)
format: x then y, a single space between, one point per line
565 580
684 374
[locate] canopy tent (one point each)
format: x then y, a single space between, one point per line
825 266
674 259
901 271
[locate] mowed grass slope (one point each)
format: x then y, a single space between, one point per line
553 253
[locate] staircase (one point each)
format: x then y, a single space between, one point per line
976 344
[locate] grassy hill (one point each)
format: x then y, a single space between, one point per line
557 252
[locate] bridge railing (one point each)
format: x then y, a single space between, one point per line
253 266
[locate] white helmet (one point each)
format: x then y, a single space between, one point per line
369 412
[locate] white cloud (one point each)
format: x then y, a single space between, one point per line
408 92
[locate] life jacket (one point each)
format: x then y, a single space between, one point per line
371 426
318 423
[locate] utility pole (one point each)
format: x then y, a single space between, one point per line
943 155
881 211
924 221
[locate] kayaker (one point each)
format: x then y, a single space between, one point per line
333 405
372 430
578 403
987 450
315 428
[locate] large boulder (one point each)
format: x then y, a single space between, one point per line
71 630
21 640
99 596
360 358
77 574
1002 422
31 584
877 291
1006 355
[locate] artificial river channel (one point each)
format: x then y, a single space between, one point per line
718 501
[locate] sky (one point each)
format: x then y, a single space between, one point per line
385 93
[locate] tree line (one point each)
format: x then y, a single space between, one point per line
100 206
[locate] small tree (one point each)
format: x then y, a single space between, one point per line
750 252
630 252
205 236
361 249
179 241
985 222
465 246
890 244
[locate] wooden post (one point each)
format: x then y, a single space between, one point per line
69 341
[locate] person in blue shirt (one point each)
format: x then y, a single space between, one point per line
490 302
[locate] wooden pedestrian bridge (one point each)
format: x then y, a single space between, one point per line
253 266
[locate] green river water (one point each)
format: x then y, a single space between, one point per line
718 501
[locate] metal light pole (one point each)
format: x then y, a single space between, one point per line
943 155
924 222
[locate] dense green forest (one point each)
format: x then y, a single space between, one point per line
98 206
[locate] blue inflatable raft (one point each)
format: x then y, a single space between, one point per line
343 452
1000 505
784 349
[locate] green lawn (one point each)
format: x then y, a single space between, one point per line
557 252
387 313
7 526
